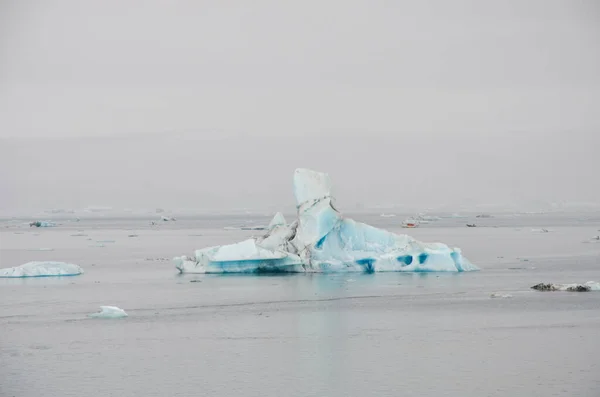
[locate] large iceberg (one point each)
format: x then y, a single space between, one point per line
41 269
322 240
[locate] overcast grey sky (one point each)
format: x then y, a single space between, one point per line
415 101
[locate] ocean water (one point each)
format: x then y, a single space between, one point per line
393 334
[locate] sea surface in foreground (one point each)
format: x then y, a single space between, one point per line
351 334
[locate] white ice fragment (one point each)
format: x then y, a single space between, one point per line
41 249
494 295
42 269
109 312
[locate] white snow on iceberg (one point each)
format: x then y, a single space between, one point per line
322 240
109 312
42 269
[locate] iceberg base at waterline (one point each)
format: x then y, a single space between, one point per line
41 269
321 240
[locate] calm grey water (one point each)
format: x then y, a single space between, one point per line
310 335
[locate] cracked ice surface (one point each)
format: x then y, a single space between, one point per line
322 240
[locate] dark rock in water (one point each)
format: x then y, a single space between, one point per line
579 288
544 287
562 287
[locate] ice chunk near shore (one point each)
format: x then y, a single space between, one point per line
109 312
41 269
322 240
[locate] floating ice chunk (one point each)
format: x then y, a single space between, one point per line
109 312
322 240
501 296
278 220
387 215
585 287
167 218
42 224
41 249
42 269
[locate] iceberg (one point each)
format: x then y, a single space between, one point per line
109 312
321 240
41 269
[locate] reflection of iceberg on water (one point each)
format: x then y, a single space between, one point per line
322 240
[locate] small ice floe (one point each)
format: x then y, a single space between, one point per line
132 235
41 249
105 241
42 224
496 295
41 269
540 230
167 218
387 215
109 312
585 287
79 235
